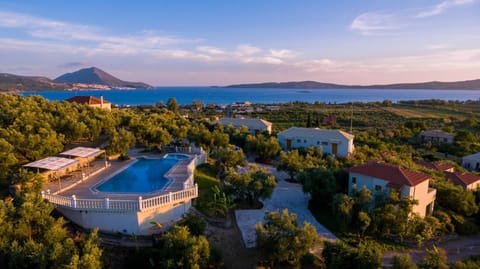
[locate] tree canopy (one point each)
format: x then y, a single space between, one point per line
282 239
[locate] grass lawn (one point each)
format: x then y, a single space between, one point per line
205 177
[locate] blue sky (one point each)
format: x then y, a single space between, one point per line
215 42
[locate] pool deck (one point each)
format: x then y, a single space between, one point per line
84 188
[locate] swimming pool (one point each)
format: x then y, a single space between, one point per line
177 156
145 175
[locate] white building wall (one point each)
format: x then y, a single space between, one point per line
470 163
126 222
344 146
369 182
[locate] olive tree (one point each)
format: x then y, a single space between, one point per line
282 239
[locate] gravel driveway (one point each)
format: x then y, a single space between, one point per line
286 195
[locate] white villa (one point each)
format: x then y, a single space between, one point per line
335 142
254 125
79 200
471 162
381 178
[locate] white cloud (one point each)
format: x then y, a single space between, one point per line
443 6
263 60
282 53
436 46
211 50
246 50
372 23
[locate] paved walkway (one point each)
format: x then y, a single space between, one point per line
286 195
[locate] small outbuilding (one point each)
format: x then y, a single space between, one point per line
437 136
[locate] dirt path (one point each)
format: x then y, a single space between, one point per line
457 249
229 241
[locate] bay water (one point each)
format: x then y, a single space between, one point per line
208 95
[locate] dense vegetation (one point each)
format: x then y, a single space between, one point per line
32 128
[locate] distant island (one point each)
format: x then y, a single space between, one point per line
432 85
87 78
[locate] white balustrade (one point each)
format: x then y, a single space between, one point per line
123 205
189 192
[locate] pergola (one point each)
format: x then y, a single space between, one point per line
83 152
79 157
52 163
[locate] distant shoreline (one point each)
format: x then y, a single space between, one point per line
207 95
310 85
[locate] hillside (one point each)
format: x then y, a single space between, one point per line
457 85
10 83
97 76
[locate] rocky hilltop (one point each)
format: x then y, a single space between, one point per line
12 83
88 78
97 76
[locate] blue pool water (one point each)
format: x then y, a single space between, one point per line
177 156
145 175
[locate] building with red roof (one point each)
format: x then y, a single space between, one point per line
91 101
468 181
380 178
438 166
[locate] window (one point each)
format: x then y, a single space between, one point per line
354 180
378 188
318 142
325 143
299 141
304 141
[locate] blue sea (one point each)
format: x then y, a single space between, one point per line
186 95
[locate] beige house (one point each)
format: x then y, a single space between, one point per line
92 101
254 125
436 136
468 181
380 178
334 142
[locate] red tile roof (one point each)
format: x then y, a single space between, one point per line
396 176
440 166
461 178
90 100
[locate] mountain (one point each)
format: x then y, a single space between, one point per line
97 76
10 82
437 85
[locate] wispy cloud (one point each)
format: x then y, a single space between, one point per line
70 65
443 6
247 50
436 46
282 53
211 50
374 23
47 29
